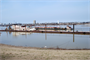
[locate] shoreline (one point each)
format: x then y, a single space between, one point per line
9 52
40 48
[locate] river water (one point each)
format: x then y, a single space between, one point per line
48 40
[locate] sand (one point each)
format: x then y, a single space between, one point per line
8 52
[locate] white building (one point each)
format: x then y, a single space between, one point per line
34 22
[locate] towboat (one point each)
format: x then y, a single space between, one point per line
23 28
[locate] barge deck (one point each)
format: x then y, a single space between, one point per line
58 32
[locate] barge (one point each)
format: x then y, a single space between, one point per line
57 32
53 28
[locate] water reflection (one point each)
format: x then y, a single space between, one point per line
7 33
10 32
49 40
45 36
73 37
29 33
20 33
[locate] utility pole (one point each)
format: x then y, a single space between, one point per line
45 32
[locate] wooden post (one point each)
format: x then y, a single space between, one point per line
73 32
45 33
9 27
73 27
45 27
25 27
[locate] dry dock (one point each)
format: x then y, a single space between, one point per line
58 32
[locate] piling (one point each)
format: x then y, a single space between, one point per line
73 27
45 27
45 33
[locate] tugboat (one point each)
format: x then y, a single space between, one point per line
23 28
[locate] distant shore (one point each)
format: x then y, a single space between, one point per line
8 52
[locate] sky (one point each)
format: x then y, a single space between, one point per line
44 11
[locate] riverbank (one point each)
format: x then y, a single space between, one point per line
8 52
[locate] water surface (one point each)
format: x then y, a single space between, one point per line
67 41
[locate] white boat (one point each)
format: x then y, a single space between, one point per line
23 28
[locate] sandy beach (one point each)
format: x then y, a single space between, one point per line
8 52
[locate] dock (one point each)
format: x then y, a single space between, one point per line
57 32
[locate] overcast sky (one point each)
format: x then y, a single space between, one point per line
25 11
